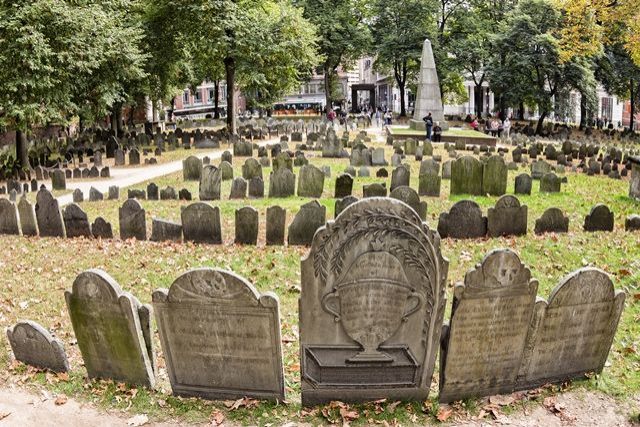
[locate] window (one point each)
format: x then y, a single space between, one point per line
367 64
197 98
185 97
607 108
212 96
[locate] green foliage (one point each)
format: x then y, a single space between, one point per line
454 89
9 165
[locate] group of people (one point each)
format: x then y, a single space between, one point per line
493 126
434 130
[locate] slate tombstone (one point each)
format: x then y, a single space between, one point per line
552 221
76 222
374 190
118 158
78 197
112 329
599 219
309 218
168 193
574 331
377 158
507 218
9 218
364 172
101 229
27 215
50 223
523 184
210 183
226 171
371 307
634 182
282 161
539 168
227 157
238 188
165 231
494 176
246 226
233 345
632 223
342 204
282 183
429 180
153 192
276 218
33 345
400 176
344 186
134 157
133 223
310 182
13 195
409 196
58 180
382 173
191 169
251 169
446 169
463 221
201 223
114 192
484 342
467 176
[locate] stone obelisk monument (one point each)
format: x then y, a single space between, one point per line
428 98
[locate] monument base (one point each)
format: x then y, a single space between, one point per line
420 125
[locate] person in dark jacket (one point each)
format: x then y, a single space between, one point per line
428 121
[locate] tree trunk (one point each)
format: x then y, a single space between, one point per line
216 99
113 119
478 99
583 112
403 106
633 106
21 149
539 128
230 71
118 115
328 75
521 111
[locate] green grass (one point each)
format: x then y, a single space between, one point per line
35 272
406 131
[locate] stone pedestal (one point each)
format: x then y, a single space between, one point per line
428 97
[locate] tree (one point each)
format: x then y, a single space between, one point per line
620 76
343 35
399 30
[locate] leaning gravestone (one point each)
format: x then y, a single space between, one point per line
409 196
552 221
429 180
246 226
201 223
463 221
372 305
599 219
210 183
28 222
507 218
572 333
48 214
310 182
133 223
112 329
276 218
233 345
309 218
9 219
33 345
165 231
282 183
95 195
523 184
78 197
76 222
191 169
466 176
494 176
483 344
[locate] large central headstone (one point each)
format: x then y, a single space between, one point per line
371 306
428 98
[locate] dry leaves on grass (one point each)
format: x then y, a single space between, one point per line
245 402
61 399
217 418
444 412
336 412
556 408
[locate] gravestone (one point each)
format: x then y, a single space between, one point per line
118 158
539 168
282 161
233 347
467 176
409 196
310 182
78 197
227 157
9 218
58 180
48 215
550 183
184 194
238 188
101 229
552 221
256 188
138 194
634 182
374 190
114 192
400 176
282 183
632 223
309 218
165 231
484 342
13 195
341 204
463 221
168 193
191 169
33 345
153 192
446 169
382 173
371 307
429 180
246 226
201 223
494 176
132 219
28 222
95 195
112 329
210 183
276 218
251 169
574 331
134 157
523 184
599 219
226 171
344 186
76 222
377 157
364 172
507 218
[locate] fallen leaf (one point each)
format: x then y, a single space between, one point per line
61 399
217 418
138 420
444 413
502 400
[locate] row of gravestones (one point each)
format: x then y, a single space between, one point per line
153 192
371 317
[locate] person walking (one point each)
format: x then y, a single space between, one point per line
506 127
428 121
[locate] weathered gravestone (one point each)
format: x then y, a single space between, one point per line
446 169
134 157
76 222
226 171
168 193
28 222
371 307
463 221
282 183
220 337
523 184
484 342
309 218
282 161
210 183
494 176
112 329
9 219
201 223
101 229
119 157
165 231
550 183
599 219
58 180
48 214
507 218
539 168
238 188
634 182
552 221
572 333
409 196
344 186
400 176
276 218
251 169
466 176
133 223
341 204
246 226
377 157
95 195
374 190
310 182
114 192
632 223
78 197
191 169
153 192
33 345
429 180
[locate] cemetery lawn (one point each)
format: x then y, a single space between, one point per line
406 131
34 273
